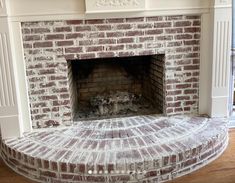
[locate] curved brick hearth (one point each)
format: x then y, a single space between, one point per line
134 149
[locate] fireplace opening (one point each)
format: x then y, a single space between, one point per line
115 87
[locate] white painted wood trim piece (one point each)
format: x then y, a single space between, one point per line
101 6
77 16
8 103
3 11
219 106
205 64
221 58
9 122
9 127
34 10
20 72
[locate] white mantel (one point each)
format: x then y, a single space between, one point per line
215 50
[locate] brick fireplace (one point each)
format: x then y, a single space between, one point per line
95 90
50 45
37 44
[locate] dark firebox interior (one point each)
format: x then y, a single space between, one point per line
113 87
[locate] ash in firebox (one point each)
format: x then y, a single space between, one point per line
115 104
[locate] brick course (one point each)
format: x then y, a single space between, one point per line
48 44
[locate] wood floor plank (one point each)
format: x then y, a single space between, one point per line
221 170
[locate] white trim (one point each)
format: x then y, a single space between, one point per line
20 72
81 15
205 64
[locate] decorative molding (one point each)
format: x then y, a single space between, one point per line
103 6
223 2
117 3
1 3
221 59
7 96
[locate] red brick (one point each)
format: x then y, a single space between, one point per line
126 53
123 26
73 50
192 29
134 46
26 31
196 23
94 35
192 55
147 52
74 22
64 43
63 29
167 170
178 110
190 162
174 44
151 174
27 45
174 17
154 31
103 27
176 92
174 104
83 28
174 30
182 23
146 39
116 20
126 40
94 48
42 44
190 91
197 36
54 36
145 26
183 36
48 174
164 38
74 35
181 98
32 38
190 80
36 66
46 71
191 67
115 47
115 34
162 24
136 19
95 21
107 41
106 54
182 86
134 33
67 176
87 55
192 42
154 19
61 102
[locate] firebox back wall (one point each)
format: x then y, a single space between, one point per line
48 44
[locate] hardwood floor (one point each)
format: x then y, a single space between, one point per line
221 170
